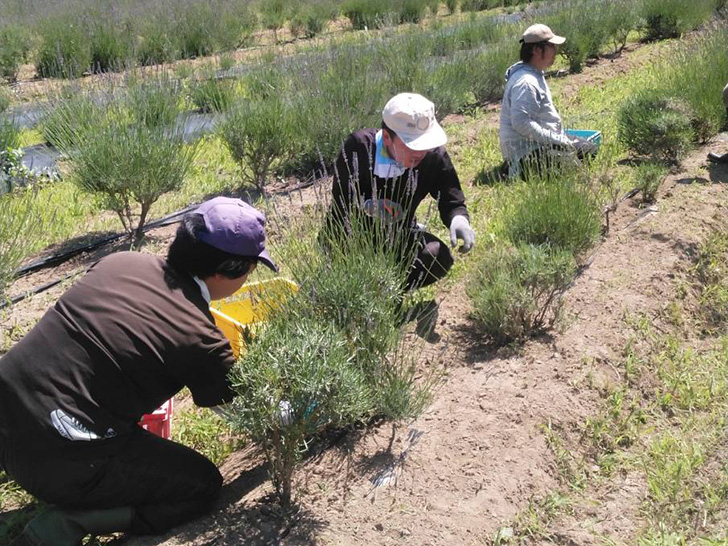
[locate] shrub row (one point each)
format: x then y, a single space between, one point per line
590 27
547 226
332 357
673 113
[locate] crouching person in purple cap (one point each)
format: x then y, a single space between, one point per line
387 172
127 336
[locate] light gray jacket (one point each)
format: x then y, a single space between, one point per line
725 96
528 118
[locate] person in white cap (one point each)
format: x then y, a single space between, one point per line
387 173
531 132
129 335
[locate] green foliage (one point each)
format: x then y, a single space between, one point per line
154 163
64 51
125 159
474 5
365 14
563 213
9 135
273 14
330 357
315 15
452 5
4 99
69 119
649 176
303 362
205 432
154 101
655 125
671 18
584 24
516 290
712 274
194 30
621 18
111 46
155 45
213 94
258 135
22 222
702 60
411 11
14 49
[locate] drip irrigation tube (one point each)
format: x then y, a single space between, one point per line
37 290
61 257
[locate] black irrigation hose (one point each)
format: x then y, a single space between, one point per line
37 290
61 257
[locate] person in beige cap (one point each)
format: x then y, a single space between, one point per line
717 158
387 173
531 132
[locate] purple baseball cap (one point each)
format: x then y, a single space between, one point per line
235 227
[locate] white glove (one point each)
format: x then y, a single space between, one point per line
460 229
285 411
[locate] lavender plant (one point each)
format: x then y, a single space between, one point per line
516 291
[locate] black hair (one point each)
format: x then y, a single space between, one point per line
391 132
189 254
527 50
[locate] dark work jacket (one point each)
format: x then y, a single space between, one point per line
126 337
354 182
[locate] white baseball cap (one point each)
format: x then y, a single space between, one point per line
412 117
541 33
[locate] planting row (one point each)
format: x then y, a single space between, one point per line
292 114
71 38
546 225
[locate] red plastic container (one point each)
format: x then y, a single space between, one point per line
159 422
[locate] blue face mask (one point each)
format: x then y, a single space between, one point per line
385 166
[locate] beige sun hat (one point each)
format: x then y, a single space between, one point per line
541 33
412 118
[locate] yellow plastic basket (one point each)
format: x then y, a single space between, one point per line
238 315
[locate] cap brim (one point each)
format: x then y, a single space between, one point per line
265 259
433 138
557 40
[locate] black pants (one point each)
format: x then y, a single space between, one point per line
166 483
432 261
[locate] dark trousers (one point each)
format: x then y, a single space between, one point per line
166 483
433 260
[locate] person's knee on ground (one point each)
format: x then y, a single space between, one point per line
431 264
60 527
202 489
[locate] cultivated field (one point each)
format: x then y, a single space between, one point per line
568 382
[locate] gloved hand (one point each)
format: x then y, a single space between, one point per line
460 229
285 411
584 146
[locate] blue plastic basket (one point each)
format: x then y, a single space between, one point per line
588 134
